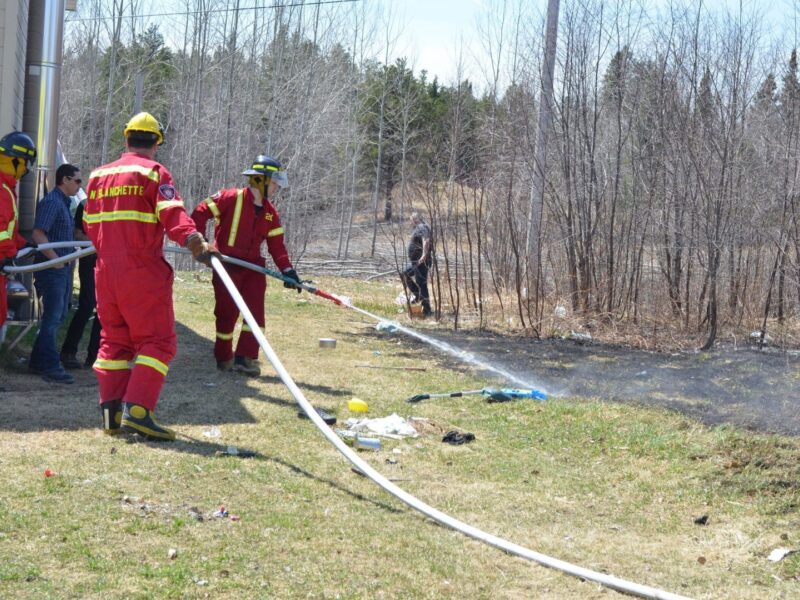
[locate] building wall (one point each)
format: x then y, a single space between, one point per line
13 42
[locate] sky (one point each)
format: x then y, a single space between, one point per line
435 29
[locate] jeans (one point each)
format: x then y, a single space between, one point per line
52 285
415 278
86 305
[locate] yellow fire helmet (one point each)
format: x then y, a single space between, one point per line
146 123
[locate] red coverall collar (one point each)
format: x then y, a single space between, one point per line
9 180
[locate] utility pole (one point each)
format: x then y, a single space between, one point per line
543 132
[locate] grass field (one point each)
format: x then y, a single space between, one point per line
610 487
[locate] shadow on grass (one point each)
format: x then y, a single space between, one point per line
192 445
194 393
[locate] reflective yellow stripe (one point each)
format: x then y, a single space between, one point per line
149 173
112 365
212 206
224 336
153 363
246 327
120 215
164 204
237 213
276 231
9 232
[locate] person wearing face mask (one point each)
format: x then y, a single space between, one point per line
17 154
243 219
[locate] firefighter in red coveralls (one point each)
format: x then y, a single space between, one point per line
17 154
131 204
243 219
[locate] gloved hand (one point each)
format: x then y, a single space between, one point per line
292 274
30 244
8 261
201 250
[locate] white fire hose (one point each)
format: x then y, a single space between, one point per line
609 581
85 249
412 501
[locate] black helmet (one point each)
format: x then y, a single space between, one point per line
19 145
270 167
263 165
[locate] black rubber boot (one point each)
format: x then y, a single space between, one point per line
112 416
137 419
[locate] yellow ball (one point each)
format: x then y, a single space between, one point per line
357 405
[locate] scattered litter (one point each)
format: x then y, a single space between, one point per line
387 326
327 343
235 518
755 336
221 513
701 520
326 416
234 451
213 433
376 352
456 438
580 337
779 554
357 405
210 384
641 374
49 473
351 438
195 513
560 312
172 554
393 426
200 582
391 461
401 299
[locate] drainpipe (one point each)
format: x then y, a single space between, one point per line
40 110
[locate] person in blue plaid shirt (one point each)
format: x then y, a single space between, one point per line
54 224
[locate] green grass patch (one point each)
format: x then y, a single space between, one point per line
611 487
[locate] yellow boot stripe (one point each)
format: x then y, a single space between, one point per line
153 363
224 336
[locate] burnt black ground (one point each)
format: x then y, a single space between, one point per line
755 390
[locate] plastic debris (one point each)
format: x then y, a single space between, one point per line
703 520
560 312
387 326
324 415
393 426
172 554
49 473
580 337
221 513
213 433
779 554
235 518
352 438
357 405
456 438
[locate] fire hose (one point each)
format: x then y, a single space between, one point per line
412 501
364 467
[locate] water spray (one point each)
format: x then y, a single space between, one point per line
412 501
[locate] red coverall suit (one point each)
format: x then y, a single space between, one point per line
239 229
10 239
131 203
